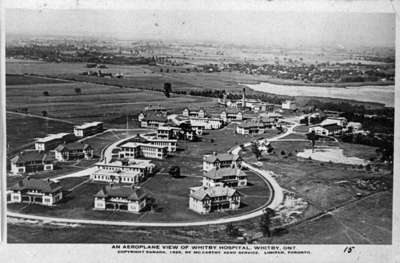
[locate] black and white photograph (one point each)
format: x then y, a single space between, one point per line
180 123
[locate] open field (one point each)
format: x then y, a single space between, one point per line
29 80
95 102
22 130
367 221
150 78
328 185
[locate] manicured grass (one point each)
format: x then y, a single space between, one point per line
189 157
171 196
302 128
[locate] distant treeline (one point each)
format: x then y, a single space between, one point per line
56 54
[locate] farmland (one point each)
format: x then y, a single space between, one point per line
94 102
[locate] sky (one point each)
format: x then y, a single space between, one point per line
230 25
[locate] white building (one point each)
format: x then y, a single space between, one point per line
221 160
204 200
134 150
231 115
73 151
88 128
128 168
52 141
250 128
341 121
354 126
30 161
36 191
326 130
194 113
120 198
231 177
289 105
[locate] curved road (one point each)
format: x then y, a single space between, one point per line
277 198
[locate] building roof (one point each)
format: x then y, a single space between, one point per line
155 108
232 111
87 125
72 146
155 116
42 185
251 124
31 155
332 127
51 137
136 144
221 157
129 163
129 192
220 173
139 139
215 191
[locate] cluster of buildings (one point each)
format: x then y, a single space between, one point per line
221 174
254 105
56 147
335 126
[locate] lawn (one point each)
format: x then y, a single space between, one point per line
171 196
189 156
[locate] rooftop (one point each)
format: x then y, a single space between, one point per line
223 172
129 192
51 137
72 146
31 155
87 125
221 157
129 163
42 185
155 116
216 191
136 144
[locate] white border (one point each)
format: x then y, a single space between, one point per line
100 253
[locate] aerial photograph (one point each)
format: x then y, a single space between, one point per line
196 126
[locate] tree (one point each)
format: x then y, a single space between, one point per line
167 89
78 91
312 137
265 221
44 113
231 230
46 93
175 171
255 150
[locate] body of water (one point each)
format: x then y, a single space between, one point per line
380 94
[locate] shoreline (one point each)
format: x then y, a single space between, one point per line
323 85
